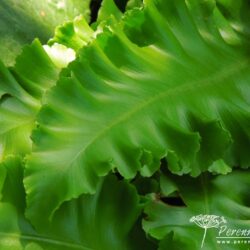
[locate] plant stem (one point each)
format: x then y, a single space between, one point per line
204 236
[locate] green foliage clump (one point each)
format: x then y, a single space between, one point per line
115 134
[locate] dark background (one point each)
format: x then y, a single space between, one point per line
95 5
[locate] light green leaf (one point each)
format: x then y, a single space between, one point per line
220 167
22 88
124 107
133 3
107 220
73 34
223 196
108 8
23 21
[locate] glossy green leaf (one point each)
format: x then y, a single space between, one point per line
133 3
21 89
108 8
23 21
237 13
75 34
107 220
223 196
122 107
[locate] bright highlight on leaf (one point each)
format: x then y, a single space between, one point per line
24 20
123 107
60 55
130 132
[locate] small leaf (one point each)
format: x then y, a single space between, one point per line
73 34
108 8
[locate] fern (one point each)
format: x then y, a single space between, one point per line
123 108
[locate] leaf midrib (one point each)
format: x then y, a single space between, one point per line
234 68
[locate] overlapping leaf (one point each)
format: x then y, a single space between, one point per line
182 94
77 33
107 220
74 34
108 8
206 195
21 89
236 12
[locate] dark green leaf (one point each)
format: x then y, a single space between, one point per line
223 196
107 220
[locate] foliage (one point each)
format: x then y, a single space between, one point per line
107 123
207 195
112 218
22 21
